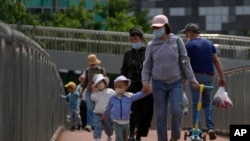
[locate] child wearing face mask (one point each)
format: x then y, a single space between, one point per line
119 106
100 96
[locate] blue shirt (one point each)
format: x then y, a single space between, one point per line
73 99
201 53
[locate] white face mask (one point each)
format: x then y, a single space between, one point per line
119 91
101 86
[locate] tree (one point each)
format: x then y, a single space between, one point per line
121 15
16 13
74 17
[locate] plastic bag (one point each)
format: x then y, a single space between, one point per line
221 99
185 104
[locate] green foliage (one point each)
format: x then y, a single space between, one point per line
74 17
16 13
115 15
121 15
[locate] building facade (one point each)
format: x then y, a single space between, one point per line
214 16
50 6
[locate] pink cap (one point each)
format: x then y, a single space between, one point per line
159 21
81 77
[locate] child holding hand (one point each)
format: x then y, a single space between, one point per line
119 106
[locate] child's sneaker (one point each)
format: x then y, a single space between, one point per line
88 128
72 128
212 135
78 127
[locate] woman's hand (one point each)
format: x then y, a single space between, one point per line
147 89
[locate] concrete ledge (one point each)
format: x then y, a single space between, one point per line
57 133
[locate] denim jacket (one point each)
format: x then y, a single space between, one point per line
119 107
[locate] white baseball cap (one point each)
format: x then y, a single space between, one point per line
122 78
99 77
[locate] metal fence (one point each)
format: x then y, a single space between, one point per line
30 83
30 88
108 42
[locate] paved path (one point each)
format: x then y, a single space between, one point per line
88 136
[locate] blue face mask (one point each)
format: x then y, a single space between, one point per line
137 45
158 33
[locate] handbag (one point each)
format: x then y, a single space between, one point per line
183 73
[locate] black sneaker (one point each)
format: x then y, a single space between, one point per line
138 139
78 127
212 135
72 128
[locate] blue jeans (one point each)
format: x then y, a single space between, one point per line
121 131
75 118
164 93
99 124
90 108
206 100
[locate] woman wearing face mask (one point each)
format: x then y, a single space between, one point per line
119 107
140 118
162 66
101 96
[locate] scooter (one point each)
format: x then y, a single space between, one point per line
196 134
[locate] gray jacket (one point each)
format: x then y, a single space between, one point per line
162 61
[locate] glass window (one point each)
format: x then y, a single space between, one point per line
210 18
224 10
177 11
217 11
210 11
155 11
246 10
242 10
224 19
238 10
202 11
217 26
217 19
209 26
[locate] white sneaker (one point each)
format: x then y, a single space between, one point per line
97 139
109 138
88 128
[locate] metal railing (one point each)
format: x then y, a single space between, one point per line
30 88
108 42
30 73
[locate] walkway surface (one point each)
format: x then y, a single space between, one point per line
88 136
